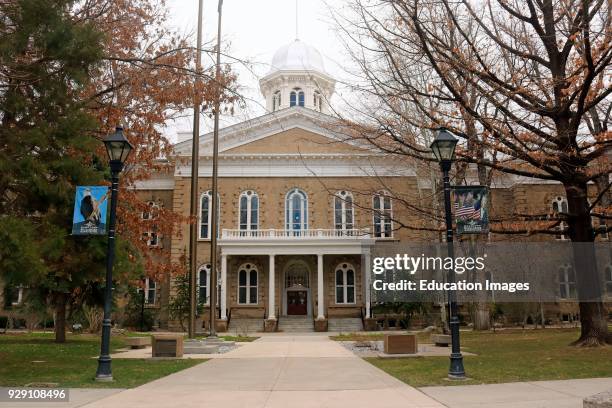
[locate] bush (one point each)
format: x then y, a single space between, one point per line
133 313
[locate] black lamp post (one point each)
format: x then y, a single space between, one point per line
443 148
118 149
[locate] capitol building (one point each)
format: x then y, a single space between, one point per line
300 206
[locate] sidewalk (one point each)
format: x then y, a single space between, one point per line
276 372
536 394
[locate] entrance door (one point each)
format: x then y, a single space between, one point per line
297 302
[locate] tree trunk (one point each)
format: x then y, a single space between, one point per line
593 315
60 318
482 318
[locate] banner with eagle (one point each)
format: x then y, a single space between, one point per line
90 209
471 209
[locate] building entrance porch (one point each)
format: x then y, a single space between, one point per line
294 277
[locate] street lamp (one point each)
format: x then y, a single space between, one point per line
443 148
118 149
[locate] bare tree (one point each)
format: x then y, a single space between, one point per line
525 84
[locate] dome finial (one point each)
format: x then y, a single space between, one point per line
296 21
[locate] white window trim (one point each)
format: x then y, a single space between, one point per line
248 285
146 292
289 207
249 206
566 282
345 284
297 92
150 216
345 206
562 227
208 194
381 211
19 296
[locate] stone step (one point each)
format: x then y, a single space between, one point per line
293 324
242 326
345 324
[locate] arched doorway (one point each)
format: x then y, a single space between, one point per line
296 289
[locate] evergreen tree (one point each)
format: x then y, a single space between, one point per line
46 149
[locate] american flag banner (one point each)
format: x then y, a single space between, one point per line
471 209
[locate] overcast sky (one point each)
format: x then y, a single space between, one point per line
254 30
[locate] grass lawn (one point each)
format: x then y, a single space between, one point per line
35 358
507 356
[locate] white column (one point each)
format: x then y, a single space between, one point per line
320 301
366 279
223 300
271 290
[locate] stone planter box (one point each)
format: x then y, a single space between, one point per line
167 345
441 340
320 325
401 344
138 342
370 324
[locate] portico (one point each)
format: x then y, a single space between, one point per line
274 274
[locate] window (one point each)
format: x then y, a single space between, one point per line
151 236
247 284
343 211
567 282
296 208
248 211
150 291
276 101
206 215
608 272
345 284
318 101
15 295
559 206
204 288
603 230
296 97
383 213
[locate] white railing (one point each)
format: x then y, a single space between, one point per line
299 234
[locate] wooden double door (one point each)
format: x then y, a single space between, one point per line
297 302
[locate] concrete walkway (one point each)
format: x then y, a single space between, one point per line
276 371
536 394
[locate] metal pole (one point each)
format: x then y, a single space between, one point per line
195 165
142 304
215 187
456 370
104 372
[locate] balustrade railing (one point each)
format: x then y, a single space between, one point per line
295 234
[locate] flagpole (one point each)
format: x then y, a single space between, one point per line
195 165
215 186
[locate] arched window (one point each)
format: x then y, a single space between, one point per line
296 97
383 215
151 236
343 211
247 284
206 214
296 208
150 291
559 205
345 284
318 101
276 101
248 211
204 287
567 282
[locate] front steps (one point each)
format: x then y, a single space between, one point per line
344 324
295 324
245 326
